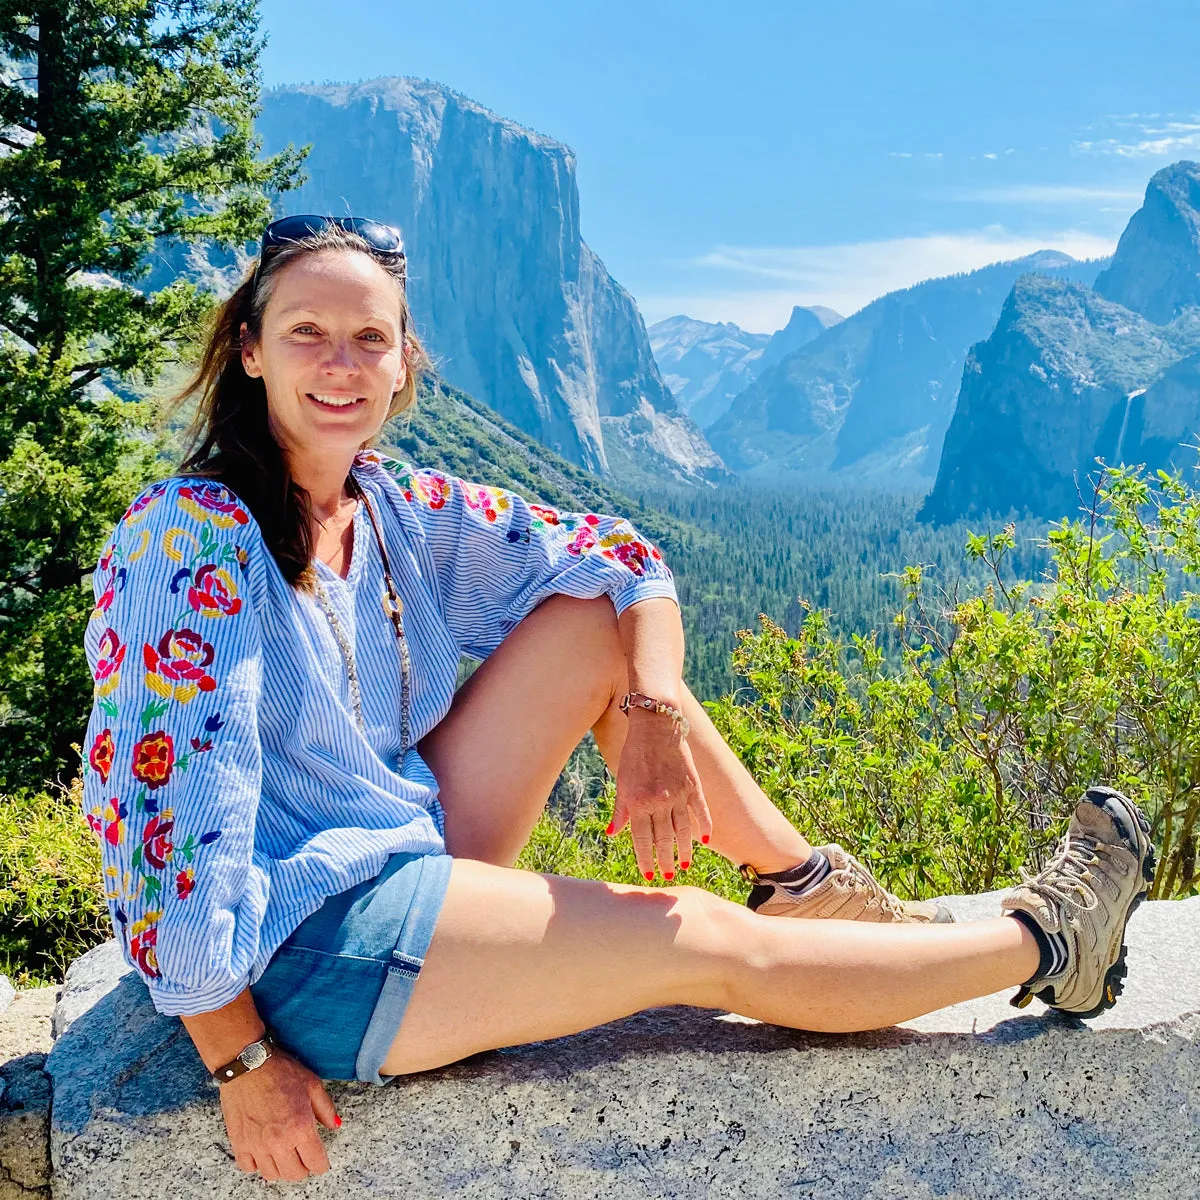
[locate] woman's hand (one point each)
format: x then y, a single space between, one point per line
659 795
271 1116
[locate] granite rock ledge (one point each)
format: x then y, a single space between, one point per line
976 1102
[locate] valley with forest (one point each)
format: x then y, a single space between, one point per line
936 557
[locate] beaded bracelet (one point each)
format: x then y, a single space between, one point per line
641 700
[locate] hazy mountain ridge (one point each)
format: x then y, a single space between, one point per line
869 400
706 364
514 306
1072 374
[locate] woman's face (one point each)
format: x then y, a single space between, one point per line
331 353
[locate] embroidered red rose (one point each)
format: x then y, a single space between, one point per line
213 593
548 515
101 754
175 668
144 502
157 847
633 555
153 758
209 501
109 656
185 881
142 951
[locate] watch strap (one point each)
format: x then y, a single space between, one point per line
258 1052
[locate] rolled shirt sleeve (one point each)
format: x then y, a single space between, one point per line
497 556
173 764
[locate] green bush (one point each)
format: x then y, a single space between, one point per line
52 906
949 771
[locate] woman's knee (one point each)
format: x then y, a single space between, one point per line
724 936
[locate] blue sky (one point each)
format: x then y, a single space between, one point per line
736 159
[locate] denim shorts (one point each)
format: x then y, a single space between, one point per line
335 992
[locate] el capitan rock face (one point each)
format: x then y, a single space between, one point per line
514 306
1156 269
1065 378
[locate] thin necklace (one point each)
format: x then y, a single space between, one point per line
393 608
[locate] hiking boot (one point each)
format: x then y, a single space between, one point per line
848 893
1099 875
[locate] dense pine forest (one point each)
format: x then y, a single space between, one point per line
756 551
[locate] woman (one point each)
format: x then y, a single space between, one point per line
305 830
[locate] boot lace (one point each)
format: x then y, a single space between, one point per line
864 879
1067 878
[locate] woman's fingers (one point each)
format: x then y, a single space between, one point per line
701 817
664 842
682 826
619 817
641 827
311 1152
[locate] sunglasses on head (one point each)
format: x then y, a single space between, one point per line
382 239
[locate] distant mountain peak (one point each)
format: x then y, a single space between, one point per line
1156 269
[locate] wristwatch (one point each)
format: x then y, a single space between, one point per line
253 1056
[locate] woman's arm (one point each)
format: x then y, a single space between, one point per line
222 1034
652 634
496 556
658 787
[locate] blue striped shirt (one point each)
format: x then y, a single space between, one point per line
226 777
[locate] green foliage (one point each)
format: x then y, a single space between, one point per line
51 904
950 771
948 768
125 127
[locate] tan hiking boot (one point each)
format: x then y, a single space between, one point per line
1100 874
848 893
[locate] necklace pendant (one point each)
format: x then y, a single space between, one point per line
393 606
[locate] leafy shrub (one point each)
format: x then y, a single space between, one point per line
950 770
52 906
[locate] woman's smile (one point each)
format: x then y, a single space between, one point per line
332 400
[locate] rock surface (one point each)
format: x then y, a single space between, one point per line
25 1040
869 400
516 308
1065 378
706 365
1156 268
977 1102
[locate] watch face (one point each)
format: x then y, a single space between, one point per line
254 1055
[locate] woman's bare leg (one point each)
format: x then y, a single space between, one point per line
514 723
518 957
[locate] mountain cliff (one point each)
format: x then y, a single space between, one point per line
1156 268
705 365
515 308
870 399
1066 376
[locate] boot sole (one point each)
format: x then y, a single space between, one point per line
1114 977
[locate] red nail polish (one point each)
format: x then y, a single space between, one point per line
668 875
704 839
337 1122
650 876
611 826
684 866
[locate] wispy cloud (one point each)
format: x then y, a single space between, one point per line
1048 193
761 284
1149 135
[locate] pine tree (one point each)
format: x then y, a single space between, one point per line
125 130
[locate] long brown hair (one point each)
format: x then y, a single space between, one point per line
229 439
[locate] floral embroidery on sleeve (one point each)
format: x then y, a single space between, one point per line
180 664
